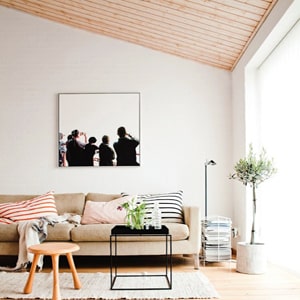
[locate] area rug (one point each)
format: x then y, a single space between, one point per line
186 285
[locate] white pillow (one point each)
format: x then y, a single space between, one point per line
170 205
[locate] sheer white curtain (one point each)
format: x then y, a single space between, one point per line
279 94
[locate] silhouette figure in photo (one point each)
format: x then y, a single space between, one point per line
106 153
89 151
125 148
62 149
75 149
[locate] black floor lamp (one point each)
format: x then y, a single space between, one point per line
207 163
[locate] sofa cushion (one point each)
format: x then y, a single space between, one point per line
31 209
91 233
9 232
70 203
102 197
101 233
59 232
104 212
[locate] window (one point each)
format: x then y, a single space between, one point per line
278 87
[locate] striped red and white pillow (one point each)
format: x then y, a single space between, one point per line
5 221
40 206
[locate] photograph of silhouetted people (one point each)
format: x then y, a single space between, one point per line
125 148
62 149
75 149
106 153
89 151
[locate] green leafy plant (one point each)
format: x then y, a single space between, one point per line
253 170
135 213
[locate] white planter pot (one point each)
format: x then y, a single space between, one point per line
251 259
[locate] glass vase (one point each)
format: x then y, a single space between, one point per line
135 221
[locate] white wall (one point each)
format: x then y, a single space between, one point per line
185 113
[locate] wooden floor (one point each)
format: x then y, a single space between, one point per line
276 284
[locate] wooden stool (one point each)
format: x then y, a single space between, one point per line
54 250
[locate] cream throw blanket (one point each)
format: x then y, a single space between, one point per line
35 232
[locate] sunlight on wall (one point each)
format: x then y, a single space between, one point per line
279 93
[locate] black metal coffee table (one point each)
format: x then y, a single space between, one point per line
122 231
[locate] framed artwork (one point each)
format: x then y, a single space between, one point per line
99 129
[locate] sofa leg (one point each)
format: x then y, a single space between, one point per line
196 261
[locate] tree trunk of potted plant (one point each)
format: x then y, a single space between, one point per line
251 258
253 216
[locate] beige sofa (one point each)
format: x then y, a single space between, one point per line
93 239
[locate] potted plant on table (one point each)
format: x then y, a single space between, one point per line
252 171
135 213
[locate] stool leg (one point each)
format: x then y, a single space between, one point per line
28 285
55 266
77 283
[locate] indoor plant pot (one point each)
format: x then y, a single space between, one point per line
252 170
251 258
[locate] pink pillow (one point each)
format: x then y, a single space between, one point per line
104 212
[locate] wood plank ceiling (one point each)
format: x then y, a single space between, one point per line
213 32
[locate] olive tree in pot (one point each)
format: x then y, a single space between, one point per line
252 171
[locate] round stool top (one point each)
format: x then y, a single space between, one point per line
53 248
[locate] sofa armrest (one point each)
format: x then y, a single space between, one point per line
192 218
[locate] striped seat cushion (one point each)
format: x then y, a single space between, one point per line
32 209
170 205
